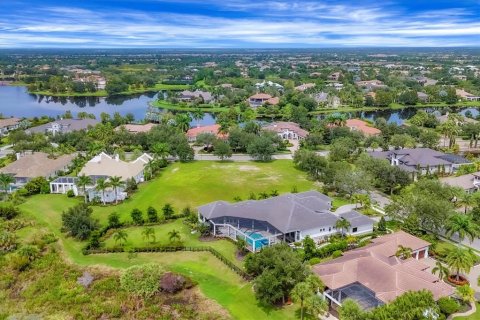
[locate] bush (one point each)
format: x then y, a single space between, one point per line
37 185
18 262
8 241
78 221
137 216
142 280
30 252
168 211
336 254
152 214
314 261
448 305
329 249
114 220
70 194
9 212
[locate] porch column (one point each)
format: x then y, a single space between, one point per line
426 252
214 229
253 244
416 255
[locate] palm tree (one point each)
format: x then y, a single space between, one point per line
101 186
148 233
161 150
174 235
403 252
342 224
462 225
183 121
441 270
120 236
115 183
299 293
83 181
459 260
197 115
5 181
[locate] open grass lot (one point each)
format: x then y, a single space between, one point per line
182 184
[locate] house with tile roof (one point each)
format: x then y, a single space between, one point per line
9 124
362 126
64 126
287 130
373 275
193 133
260 99
285 218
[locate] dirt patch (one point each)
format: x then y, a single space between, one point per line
207 239
205 305
248 168
175 170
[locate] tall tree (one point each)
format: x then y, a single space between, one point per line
5 181
120 236
101 186
116 182
463 226
342 224
83 181
148 233
459 260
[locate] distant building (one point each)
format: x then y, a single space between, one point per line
9 124
371 85
260 99
335 76
136 128
362 126
287 130
327 100
190 96
64 126
423 97
464 95
305 86
193 133
468 182
422 160
261 85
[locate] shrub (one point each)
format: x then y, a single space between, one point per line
448 305
114 220
131 185
152 214
78 221
314 261
8 241
70 194
9 212
336 254
137 216
37 185
30 252
330 248
142 280
168 211
171 282
18 262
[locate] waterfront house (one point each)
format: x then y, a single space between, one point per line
287 130
189 96
9 124
193 133
136 128
260 99
64 126
362 126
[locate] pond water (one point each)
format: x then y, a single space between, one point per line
17 102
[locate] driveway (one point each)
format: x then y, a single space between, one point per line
379 199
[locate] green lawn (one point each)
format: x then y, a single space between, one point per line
136 239
475 316
183 184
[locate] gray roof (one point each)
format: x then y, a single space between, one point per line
419 156
464 181
355 218
67 125
287 213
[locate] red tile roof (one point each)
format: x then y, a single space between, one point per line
362 126
194 132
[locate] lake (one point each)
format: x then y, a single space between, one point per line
17 102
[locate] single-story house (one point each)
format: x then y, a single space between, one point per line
285 218
37 164
422 97
370 85
64 126
334 76
373 275
136 128
467 96
362 126
193 133
260 99
305 86
287 130
104 166
9 124
326 99
468 182
422 160
188 96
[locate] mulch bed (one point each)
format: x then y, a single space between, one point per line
460 282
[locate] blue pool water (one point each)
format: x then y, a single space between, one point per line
259 244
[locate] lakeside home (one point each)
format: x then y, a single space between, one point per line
9 124
64 126
287 130
285 218
193 133
136 128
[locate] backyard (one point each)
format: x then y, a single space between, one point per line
182 185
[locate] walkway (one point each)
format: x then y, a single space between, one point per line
464 314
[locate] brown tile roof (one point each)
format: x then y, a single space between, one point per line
7 122
278 127
362 126
377 268
273 101
263 96
214 128
137 128
37 164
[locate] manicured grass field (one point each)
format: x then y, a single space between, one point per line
183 184
136 239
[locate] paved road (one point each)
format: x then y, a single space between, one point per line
5 151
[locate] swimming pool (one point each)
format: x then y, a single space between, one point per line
259 244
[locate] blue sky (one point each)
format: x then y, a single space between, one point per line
238 23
